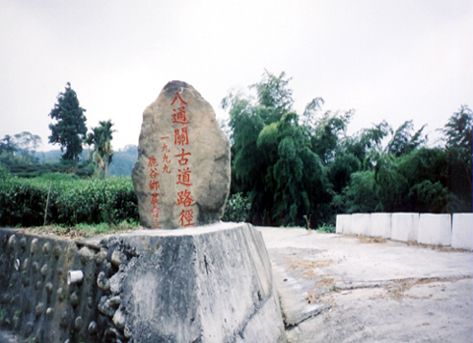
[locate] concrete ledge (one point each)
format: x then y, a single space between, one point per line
360 223
435 229
404 226
211 287
343 223
380 225
462 231
425 228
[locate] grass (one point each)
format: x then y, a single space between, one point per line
83 230
326 228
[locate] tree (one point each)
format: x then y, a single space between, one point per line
458 138
327 133
366 144
19 149
27 141
101 137
360 195
458 130
341 169
404 141
274 96
7 145
69 128
272 160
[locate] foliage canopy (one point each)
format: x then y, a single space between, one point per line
292 166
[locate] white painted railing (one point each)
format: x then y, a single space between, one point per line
454 230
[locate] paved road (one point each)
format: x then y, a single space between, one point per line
343 289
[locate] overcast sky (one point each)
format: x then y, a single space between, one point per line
393 60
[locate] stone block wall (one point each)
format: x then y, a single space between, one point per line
38 304
454 230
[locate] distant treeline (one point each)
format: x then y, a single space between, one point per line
32 163
287 168
291 168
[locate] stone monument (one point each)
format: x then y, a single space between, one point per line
182 175
205 283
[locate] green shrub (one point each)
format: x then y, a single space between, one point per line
237 208
71 200
326 228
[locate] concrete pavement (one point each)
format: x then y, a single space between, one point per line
336 288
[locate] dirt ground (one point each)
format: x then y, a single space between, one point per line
344 289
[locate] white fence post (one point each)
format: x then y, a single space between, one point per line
462 231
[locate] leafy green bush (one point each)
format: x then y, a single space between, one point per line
237 209
326 228
71 200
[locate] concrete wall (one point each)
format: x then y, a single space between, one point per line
462 231
425 228
435 229
343 223
205 284
360 223
405 227
380 225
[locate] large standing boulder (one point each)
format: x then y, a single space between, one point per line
182 176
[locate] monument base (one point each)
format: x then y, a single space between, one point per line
205 284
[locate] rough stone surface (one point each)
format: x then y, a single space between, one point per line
435 229
182 175
462 231
380 225
36 303
405 226
219 288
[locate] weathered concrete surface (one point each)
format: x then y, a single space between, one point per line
380 225
462 231
343 223
360 223
435 229
208 284
182 175
404 226
345 289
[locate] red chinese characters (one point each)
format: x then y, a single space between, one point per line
166 151
184 197
153 185
184 177
179 115
181 136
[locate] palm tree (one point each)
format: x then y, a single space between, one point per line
101 138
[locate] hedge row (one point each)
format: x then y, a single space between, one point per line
71 200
